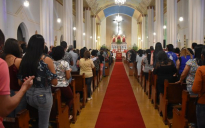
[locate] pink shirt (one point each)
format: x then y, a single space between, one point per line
4 82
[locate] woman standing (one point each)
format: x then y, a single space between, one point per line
139 61
146 63
11 55
35 63
190 69
86 65
185 55
154 55
199 88
164 69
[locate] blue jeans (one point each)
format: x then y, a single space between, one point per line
88 82
41 99
200 115
22 105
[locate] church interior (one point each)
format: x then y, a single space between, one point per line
102 63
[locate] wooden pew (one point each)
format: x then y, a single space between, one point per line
107 69
148 84
172 95
154 91
186 113
20 121
135 71
59 113
76 102
131 69
95 83
81 86
75 73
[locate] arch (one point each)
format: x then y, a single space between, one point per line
22 33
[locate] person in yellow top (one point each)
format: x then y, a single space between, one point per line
86 65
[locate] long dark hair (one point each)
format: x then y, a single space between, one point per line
203 53
11 47
148 52
2 40
32 57
158 48
163 58
198 51
82 51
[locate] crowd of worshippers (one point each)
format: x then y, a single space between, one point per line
177 66
29 74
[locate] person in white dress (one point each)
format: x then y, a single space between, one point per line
139 58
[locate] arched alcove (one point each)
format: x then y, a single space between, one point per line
22 33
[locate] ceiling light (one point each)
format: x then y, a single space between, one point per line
147 36
74 28
164 26
91 37
118 18
154 34
83 34
139 38
98 37
59 20
120 2
181 19
26 3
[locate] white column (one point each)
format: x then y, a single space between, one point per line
79 23
172 22
68 21
98 34
196 21
159 20
46 21
139 43
151 25
88 40
3 15
93 32
144 31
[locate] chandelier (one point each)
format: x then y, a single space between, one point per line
118 18
120 2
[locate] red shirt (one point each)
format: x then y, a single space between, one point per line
4 82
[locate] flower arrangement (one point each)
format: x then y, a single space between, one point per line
119 41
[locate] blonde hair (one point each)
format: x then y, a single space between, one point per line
185 52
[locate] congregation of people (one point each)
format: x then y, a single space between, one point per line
31 73
177 66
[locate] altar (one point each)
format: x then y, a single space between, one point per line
118 44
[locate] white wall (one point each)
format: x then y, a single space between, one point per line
134 31
103 32
17 13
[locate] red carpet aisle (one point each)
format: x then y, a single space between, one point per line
119 108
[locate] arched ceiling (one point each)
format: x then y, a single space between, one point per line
100 7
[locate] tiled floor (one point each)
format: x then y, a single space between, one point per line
89 114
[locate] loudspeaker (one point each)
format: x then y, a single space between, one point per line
164 43
74 44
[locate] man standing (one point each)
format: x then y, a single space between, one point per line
67 57
171 55
74 57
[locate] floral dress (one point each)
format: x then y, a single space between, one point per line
191 75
